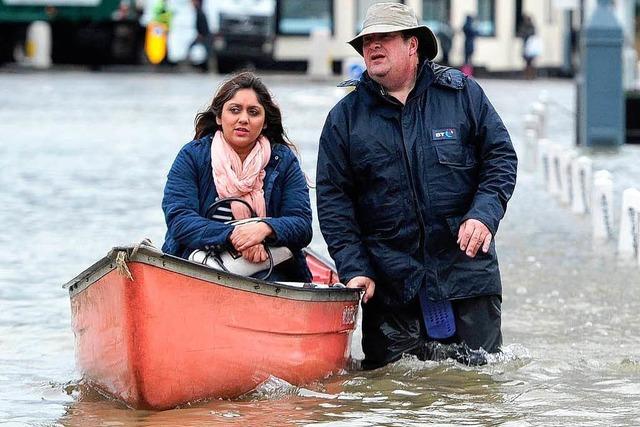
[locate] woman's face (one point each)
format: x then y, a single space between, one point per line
242 120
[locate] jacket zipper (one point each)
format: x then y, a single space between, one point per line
416 207
272 179
414 193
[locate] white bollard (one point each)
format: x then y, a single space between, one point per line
566 175
38 44
319 65
628 237
543 97
602 206
530 151
581 179
531 123
540 111
544 165
554 187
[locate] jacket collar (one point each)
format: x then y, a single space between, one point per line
423 80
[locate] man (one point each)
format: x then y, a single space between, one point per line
415 169
203 38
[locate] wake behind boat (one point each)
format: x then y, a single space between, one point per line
157 331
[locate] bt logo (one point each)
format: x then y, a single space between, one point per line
445 134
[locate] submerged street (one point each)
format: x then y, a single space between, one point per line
83 161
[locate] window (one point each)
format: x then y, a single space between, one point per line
436 14
363 5
300 17
486 19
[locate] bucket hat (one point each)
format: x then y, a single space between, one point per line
391 17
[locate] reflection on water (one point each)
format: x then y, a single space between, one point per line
508 390
406 391
82 166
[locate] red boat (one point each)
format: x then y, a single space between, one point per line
157 331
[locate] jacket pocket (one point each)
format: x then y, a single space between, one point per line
450 153
455 154
454 224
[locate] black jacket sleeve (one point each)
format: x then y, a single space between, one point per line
335 200
497 177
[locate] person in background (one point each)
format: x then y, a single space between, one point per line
530 45
470 34
240 149
162 13
445 36
415 168
203 36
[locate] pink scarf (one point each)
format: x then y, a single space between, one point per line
235 178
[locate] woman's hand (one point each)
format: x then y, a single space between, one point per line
245 236
255 254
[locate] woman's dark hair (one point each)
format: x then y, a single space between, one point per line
205 122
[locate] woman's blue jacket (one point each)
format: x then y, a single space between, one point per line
190 190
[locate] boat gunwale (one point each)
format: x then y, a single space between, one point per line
151 256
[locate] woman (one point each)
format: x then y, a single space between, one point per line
241 150
470 34
530 45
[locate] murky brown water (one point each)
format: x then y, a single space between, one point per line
83 159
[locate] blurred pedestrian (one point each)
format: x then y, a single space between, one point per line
162 13
199 51
415 168
445 36
531 45
470 34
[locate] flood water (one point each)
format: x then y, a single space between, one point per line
83 160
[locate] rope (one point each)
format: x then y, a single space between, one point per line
145 242
569 171
122 258
605 215
583 187
558 174
121 265
637 233
634 229
545 168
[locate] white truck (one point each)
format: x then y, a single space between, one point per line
242 31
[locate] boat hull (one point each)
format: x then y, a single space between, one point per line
167 337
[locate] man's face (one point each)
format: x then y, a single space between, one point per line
388 55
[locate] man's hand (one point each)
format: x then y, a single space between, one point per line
365 283
247 235
472 235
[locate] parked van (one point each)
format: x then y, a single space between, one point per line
243 31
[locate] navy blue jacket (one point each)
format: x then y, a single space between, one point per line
190 190
395 182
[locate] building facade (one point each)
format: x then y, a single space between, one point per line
498 47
